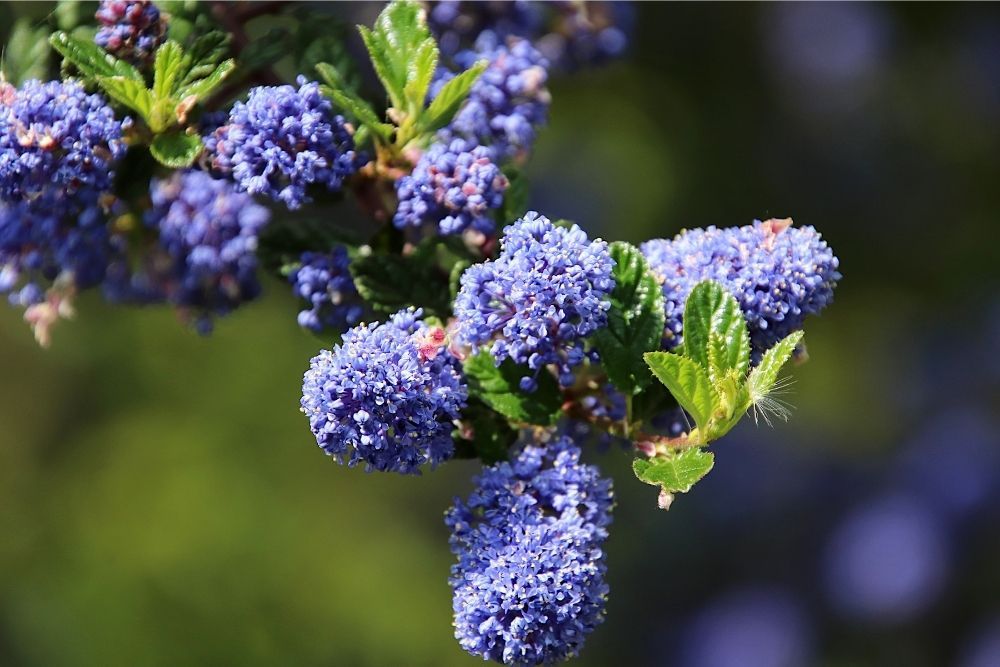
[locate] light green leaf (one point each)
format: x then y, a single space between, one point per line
393 45
168 68
202 88
92 60
359 109
710 309
635 320
128 92
331 75
763 377
500 389
176 149
688 382
450 98
27 52
419 74
676 472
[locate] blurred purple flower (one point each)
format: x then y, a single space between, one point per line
888 561
751 627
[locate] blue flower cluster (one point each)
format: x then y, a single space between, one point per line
386 396
208 231
508 102
539 299
53 238
529 582
130 30
54 136
778 273
58 148
455 186
570 34
324 280
282 140
457 24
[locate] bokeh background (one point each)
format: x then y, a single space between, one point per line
162 501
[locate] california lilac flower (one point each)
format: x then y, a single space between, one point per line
54 136
457 24
386 396
455 186
778 273
130 30
539 299
529 582
208 231
282 140
751 627
888 561
508 102
983 650
569 34
50 237
954 459
324 280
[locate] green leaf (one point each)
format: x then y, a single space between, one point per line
688 382
450 98
455 279
515 199
359 109
500 389
763 377
205 54
202 88
676 472
128 92
393 45
391 282
419 74
27 53
710 309
168 68
92 60
176 149
485 434
635 320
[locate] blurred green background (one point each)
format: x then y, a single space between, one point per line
162 501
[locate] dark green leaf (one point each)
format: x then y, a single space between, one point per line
202 88
391 282
91 59
485 434
515 199
450 98
687 381
128 92
205 53
635 320
711 309
176 149
676 472
500 389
